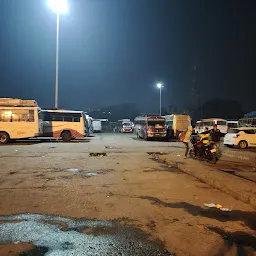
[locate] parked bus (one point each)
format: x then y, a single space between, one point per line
208 123
232 124
126 127
89 127
19 119
148 127
176 124
96 124
64 124
247 122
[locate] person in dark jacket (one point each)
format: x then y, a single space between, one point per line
215 137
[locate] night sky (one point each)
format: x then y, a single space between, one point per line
115 51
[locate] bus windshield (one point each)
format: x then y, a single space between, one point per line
127 124
221 123
156 123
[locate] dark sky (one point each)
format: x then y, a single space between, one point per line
114 51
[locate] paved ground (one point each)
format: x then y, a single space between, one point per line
56 199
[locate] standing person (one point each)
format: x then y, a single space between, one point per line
186 140
215 137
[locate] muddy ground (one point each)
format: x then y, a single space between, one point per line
63 198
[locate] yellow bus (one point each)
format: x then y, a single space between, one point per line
176 124
19 119
64 124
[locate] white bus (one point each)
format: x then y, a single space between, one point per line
126 127
89 127
247 122
147 127
232 124
96 124
176 124
19 119
201 125
64 124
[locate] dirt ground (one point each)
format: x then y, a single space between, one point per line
126 185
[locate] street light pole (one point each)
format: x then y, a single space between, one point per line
160 100
160 85
57 60
59 7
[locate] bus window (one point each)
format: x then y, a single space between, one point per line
156 122
76 119
221 123
67 119
17 115
5 115
31 116
57 118
247 122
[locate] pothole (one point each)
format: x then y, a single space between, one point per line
157 153
98 154
163 169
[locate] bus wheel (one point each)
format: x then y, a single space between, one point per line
66 136
4 137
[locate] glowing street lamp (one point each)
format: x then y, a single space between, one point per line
160 86
59 7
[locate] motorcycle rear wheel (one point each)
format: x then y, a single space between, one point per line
213 159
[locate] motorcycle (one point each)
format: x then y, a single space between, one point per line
203 151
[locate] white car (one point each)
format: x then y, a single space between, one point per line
242 137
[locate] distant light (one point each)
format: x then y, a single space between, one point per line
58 6
159 85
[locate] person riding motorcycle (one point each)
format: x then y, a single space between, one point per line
204 139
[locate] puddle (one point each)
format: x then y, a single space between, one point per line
92 174
84 173
89 174
72 170
79 237
177 162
